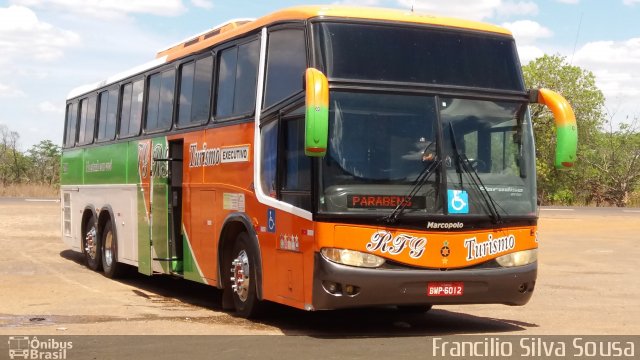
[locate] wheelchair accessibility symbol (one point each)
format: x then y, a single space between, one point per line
458 201
271 220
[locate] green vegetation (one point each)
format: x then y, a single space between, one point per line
608 168
31 173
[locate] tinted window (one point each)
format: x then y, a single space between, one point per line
246 77
160 102
195 92
286 63
125 113
269 158
238 73
418 55
87 120
296 182
131 114
226 82
112 111
72 123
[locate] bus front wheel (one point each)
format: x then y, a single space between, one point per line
92 246
242 264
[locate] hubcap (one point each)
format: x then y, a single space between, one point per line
240 279
90 243
108 248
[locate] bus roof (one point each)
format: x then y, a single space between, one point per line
234 28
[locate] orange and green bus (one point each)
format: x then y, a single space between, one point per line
318 157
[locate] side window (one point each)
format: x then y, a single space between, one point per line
237 79
269 159
296 179
285 170
195 92
160 102
72 124
108 105
286 63
87 120
131 114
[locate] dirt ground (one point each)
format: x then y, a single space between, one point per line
587 284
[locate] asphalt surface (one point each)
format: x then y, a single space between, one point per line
587 284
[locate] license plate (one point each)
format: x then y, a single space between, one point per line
445 289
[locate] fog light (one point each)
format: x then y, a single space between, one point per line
519 258
352 257
351 290
331 287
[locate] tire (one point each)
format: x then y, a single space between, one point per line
92 245
109 240
243 287
414 309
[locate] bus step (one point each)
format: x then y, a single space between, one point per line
167 259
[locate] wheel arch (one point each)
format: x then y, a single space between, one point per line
232 226
106 214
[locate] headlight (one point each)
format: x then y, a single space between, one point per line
352 257
518 258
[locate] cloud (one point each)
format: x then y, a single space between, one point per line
111 9
49 107
616 65
527 31
630 2
204 4
23 35
474 10
9 92
573 2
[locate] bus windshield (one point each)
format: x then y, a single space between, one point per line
379 143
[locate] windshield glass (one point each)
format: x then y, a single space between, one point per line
380 143
414 54
495 140
378 146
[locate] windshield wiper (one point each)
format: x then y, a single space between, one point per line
464 163
420 181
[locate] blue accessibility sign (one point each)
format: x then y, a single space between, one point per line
271 220
458 201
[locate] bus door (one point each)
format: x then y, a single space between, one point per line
166 207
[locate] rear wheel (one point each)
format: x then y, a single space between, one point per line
92 246
243 285
112 268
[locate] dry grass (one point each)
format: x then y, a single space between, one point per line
30 191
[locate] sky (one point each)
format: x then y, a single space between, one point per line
49 47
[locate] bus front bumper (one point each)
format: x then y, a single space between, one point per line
373 287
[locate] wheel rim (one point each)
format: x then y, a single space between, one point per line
240 281
90 243
108 248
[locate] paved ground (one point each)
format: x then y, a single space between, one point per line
588 284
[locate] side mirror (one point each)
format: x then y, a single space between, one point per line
317 113
565 121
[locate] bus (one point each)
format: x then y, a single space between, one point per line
320 157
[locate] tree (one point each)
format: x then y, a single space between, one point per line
578 86
13 164
45 161
616 159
